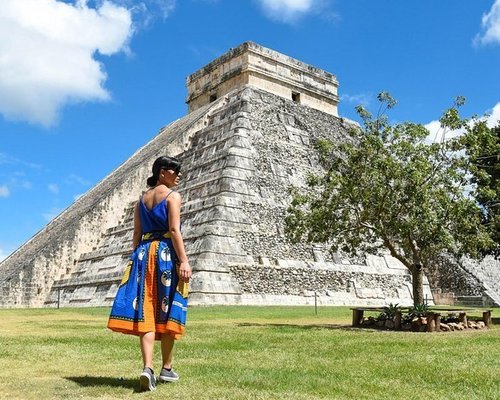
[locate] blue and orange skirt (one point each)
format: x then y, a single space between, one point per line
151 297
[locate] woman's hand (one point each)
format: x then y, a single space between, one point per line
185 271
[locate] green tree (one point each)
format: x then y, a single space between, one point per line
483 150
386 187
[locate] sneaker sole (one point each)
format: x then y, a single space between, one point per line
146 383
166 379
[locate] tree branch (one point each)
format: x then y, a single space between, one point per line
388 244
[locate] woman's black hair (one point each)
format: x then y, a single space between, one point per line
163 163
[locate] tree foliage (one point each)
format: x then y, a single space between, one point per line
386 187
482 146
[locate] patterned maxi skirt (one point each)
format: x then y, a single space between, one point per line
151 297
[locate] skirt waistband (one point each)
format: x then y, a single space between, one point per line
156 235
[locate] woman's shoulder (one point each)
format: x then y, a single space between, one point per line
163 193
154 196
173 195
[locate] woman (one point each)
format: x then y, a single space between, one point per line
151 300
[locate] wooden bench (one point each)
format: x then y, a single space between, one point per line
433 316
462 313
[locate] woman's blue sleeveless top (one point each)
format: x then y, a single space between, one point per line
156 219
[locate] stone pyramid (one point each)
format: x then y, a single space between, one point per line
253 116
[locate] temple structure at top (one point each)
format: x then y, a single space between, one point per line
266 69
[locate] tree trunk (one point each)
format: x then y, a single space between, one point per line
417 275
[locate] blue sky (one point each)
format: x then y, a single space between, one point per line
83 84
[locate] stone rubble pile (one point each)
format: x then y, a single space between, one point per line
420 324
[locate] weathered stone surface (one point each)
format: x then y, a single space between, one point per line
467 282
254 65
240 154
238 167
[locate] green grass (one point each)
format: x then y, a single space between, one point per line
246 353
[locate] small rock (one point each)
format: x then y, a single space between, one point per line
389 324
444 327
406 327
423 328
380 323
480 324
453 326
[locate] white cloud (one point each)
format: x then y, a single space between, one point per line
47 50
4 191
164 6
53 187
75 179
145 12
490 24
8 159
287 10
436 132
13 182
21 183
356 99
493 118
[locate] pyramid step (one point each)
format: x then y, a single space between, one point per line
469 301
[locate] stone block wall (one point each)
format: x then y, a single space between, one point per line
240 156
454 279
28 275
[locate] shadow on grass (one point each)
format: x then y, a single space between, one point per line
365 328
87 381
310 326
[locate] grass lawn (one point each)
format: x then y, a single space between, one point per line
246 353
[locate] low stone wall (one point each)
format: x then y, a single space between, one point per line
274 280
382 280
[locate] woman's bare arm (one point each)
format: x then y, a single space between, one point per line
137 227
174 221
